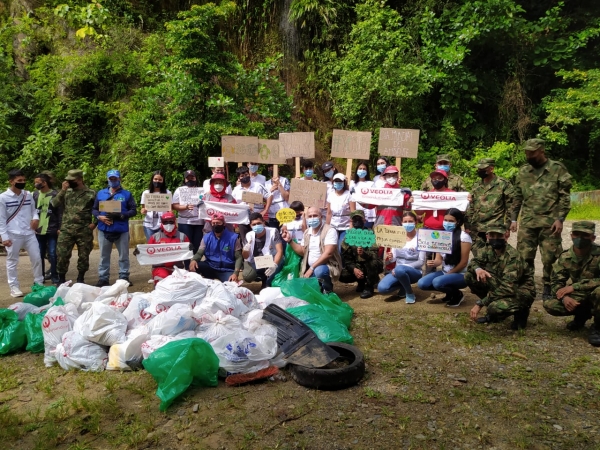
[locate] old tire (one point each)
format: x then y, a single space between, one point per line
327 378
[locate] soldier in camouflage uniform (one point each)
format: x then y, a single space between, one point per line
77 227
455 182
543 197
490 204
502 280
576 282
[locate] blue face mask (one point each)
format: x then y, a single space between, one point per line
258 228
308 173
114 184
444 167
409 226
338 186
329 174
449 226
313 222
381 168
253 168
361 173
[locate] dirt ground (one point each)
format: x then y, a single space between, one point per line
434 381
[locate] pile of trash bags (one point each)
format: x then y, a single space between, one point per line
189 330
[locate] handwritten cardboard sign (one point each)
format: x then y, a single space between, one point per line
252 197
268 152
359 237
190 196
401 143
216 161
158 202
300 144
239 148
393 236
264 262
110 206
310 193
351 144
286 215
434 241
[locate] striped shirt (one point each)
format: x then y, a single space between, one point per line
21 224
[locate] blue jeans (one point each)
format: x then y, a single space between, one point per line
48 242
208 272
321 273
149 232
401 276
341 236
122 244
194 234
447 283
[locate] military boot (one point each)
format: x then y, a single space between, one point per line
594 337
360 286
582 315
62 278
520 319
80 277
546 294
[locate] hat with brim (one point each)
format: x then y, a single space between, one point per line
485 163
167 216
584 226
339 176
74 174
439 172
532 145
189 173
390 169
443 158
496 229
327 165
219 177
113 174
358 212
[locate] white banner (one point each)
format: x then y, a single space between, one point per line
163 253
379 196
431 201
434 241
233 213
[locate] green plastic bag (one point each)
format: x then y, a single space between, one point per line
291 268
179 364
12 332
327 328
40 295
308 290
33 331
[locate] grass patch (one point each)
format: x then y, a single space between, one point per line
584 211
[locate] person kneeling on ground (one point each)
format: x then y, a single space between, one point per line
360 264
580 298
503 281
319 252
168 234
222 253
262 241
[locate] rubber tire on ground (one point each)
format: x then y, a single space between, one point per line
332 379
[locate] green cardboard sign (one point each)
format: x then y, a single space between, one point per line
357 237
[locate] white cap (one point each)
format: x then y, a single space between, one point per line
339 176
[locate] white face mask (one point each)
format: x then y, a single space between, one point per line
219 187
169 227
391 180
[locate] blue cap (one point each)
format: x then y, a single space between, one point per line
113 173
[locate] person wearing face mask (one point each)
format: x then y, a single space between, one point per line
166 234
76 201
246 184
381 164
206 184
308 170
576 282
319 251
433 220
113 228
391 215
262 241
188 219
361 264
362 178
296 227
409 263
50 220
256 177
279 187
339 205
490 203
157 185
18 221
217 192
328 172
502 280
222 253
543 198
455 182
454 265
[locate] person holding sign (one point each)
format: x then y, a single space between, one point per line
152 218
217 192
391 214
262 243
454 265
215 171
185 201
362 178
308 170
339 205
296 227
409 263
246 184
455 182
113 226
256 177
279 187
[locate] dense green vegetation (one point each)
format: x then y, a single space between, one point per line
141 85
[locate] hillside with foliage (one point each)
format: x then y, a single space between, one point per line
141 86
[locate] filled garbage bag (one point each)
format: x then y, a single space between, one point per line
128 355
76 352
40 295
213 326
22 309
12 332
34 333
291 268
102 324
326 327
244 352
178 365
58 320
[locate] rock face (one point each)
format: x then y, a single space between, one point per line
289 33
17 9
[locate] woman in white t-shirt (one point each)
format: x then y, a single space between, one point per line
454 265
152 218
362 178
339 205
381 165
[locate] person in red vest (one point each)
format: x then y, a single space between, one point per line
168 234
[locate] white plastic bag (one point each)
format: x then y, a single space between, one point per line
114 296
102 324
179 287
177 319
135 312
213 326
23 308
61 292
81 293
57 321
128 355
244 352
245 295
254 323
156 342
285 302
229 305
76 352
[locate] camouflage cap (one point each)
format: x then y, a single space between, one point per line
484 163
496 229
534 144
584 226
74 174
443 158
358 212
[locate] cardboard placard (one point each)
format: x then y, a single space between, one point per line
252 197
351 144
158 202
110 206
239 149
264 262
401 143
286 215
297 145
434 241
268 152
393 236
359 237
433 201
371 195
190 196
310 193
216 161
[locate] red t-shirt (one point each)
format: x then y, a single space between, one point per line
436 223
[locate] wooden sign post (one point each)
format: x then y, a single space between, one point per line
350 145
297 145
401 143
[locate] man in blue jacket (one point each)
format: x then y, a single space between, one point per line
113 227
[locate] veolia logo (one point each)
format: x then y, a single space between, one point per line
433 196
151 250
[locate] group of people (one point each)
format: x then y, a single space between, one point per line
534 206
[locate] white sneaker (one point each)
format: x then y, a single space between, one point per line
15 292
151 281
